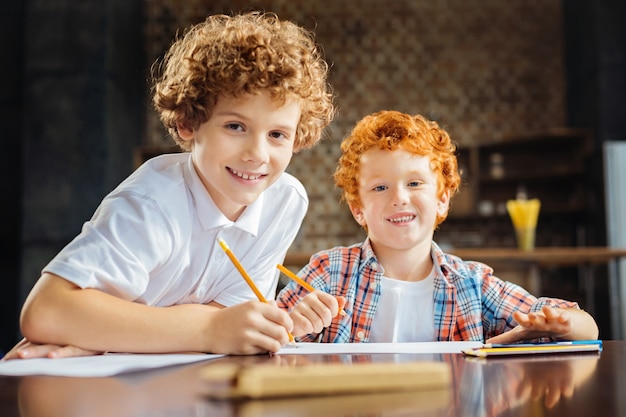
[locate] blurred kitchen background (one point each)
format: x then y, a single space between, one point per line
531 91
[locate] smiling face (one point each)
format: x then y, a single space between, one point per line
243 148
398 199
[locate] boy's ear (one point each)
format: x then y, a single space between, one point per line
183 131
443 203
358 215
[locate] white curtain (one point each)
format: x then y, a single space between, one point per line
615 198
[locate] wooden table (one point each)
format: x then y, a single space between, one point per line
572 385
587 258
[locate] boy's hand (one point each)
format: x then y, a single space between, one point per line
549 322
249 328
315 312
27 350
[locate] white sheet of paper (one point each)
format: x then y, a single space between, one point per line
115 364
356 348
97 366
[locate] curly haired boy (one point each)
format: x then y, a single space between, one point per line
240 95
398 173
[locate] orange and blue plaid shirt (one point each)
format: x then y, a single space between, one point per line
471 304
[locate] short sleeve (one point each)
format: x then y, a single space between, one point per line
126 239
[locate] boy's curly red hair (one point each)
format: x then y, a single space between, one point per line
228 56
391 130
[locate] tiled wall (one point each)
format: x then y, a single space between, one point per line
482 68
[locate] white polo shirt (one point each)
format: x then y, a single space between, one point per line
153 239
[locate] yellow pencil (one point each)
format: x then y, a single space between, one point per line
302 282
245 275
295 278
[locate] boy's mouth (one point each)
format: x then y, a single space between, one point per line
402 219
245 176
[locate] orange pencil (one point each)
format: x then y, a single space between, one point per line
295 278
302 282
245 275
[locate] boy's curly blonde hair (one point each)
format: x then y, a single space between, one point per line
391 130
228 56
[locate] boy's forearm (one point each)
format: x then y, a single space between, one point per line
59 313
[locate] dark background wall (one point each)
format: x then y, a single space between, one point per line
595 54
73 104
11 31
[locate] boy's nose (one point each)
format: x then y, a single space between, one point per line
257 150
400 196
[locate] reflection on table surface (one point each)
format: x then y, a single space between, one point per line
551 385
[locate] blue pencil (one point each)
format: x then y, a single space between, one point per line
560 343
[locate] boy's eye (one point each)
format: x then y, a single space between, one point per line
278 135
415 183
234 126
380 188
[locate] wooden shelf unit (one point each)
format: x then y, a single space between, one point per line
552 166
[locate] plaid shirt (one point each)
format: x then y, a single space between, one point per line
470 303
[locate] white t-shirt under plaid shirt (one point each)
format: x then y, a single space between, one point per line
153 239
405 311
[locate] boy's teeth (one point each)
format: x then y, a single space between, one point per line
402 219
244 176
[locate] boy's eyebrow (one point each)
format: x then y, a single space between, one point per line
382 173
227 113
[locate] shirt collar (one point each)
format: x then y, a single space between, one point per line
445 266
440 260
210 215
368 257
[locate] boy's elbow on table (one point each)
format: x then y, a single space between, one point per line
37 324
42 316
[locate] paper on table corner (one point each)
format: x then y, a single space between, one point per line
97 366
357 348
